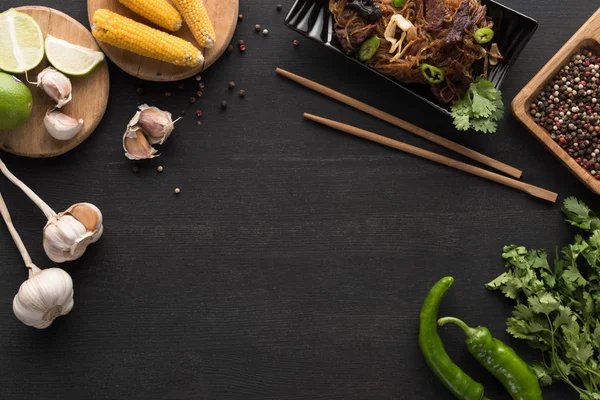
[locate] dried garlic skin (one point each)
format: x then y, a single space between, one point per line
61 126
56 85
45 296
136 145
67 237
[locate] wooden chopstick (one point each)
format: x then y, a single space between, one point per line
438 158
465 151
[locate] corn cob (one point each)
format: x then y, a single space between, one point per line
196 17
124 33
160 12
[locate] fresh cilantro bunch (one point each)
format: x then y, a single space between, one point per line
480 108
558 306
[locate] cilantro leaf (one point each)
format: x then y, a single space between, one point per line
557 309
480 108
579 215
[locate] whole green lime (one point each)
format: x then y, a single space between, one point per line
16 102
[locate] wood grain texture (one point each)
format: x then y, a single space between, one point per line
586 37
90 93
223 14
407 126
294 262
435 157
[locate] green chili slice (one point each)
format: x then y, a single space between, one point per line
368 48
399 3
484 35
432 74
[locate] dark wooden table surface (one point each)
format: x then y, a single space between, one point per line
294 262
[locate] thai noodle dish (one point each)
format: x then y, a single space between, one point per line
445 44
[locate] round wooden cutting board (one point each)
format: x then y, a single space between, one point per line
90 93
223 14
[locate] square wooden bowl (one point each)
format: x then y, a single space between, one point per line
588 37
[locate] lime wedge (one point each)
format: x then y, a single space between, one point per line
71 59
21 42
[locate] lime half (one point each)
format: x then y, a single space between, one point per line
71 59
21 42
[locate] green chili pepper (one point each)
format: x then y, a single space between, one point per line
432 74
484 35
501 361
368 48
461 385
399 3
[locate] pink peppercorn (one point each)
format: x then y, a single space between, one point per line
597 128
242 48
198 113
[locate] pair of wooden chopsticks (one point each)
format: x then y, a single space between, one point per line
507 169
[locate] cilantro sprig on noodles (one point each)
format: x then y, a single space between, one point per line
480 108
558 304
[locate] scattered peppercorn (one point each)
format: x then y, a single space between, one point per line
180 86
243 48
168 94
199 93
201 86
296 42
242 93
160 168
198 78
240 17
223 105
199 122
567 107
198 113
257 27
240 42
265 32
230 48
182 113
177 190
279 7
192 100
231 85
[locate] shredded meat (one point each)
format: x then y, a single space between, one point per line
462 20
351 41
435 11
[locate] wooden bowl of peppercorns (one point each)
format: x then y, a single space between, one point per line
561 104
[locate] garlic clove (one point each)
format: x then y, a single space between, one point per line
56 85
136 145
67 237
157 124
61 126
44 297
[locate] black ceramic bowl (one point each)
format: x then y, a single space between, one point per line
513 31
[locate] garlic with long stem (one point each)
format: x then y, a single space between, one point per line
56 85
156 123
136 145
61 126
68 234
46 294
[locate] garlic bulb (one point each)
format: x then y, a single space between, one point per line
47 294
42 298
56 85
136 145
68 234
61 126
156 124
